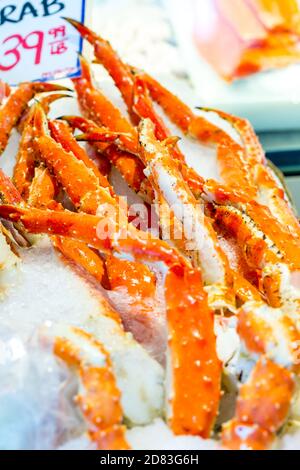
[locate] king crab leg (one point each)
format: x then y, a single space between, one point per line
196 409
128 164
167 180
5 91
232 163
62 133
26 157
99 396
11 111
42 195
94 191
235 212
99 109
139 105
269 191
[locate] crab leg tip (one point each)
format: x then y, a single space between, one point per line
81 28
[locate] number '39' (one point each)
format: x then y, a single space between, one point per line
16 44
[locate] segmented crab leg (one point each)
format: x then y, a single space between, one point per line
99 397
8 192
25 160
143 106
12 110
261 236
46 101
132 273
62 133
164 174
106 114
99 109
191 408
265 399
139 377
122 77
88 228
289 245
181 115
277 262
133 276
110 60
269 190
234 167
42 193
134 94
10 195
70 169
83 188
262 408
128 164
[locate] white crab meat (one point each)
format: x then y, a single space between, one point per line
139 377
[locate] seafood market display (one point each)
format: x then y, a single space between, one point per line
176 317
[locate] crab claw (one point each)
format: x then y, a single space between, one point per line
13 108
8 192
69 224
128 164
110 60
46 101
123 140
27 154
83 30
62 134
46 87
101 136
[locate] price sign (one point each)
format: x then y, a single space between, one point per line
36 43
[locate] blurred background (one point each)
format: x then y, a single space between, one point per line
241 56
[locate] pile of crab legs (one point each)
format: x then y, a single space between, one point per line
249 210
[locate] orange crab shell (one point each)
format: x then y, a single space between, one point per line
196 369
